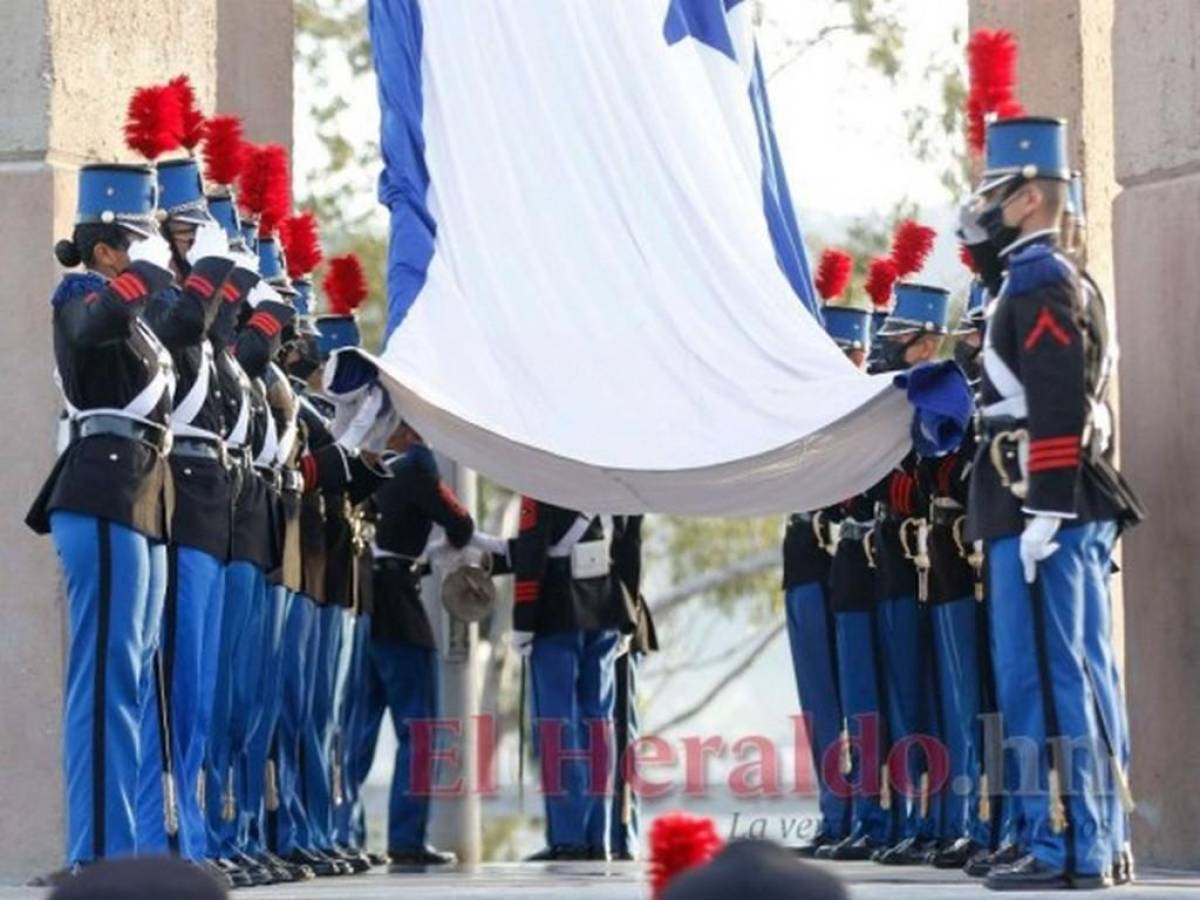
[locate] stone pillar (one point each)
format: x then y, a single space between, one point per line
68 67
1156 52
254 66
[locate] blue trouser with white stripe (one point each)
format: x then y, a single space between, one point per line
625 837
956 642
191 617
115 581
812 635
1045 691
899 622
317 742
295 717
236 709
259 786
573 687
349 817
859 677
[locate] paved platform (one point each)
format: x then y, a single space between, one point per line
626 881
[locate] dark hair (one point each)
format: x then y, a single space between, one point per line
81 248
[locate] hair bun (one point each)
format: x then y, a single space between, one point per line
67 254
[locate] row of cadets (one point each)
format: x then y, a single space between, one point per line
1048 503
807 600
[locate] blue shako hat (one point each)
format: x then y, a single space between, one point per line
1028 147
849 326
919 307
335 332
249 235
114 192
181 192
975 312
222 208
271 265
1076 208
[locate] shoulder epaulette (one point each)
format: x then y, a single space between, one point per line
76 284
1037 267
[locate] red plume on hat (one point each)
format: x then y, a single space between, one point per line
191 131
912 243
992 65
224 149
345 284
678 842
154 121
881 276
264 185
833 273
965 257
301 244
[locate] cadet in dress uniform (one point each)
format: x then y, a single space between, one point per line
401 674
811 621
567 619
109 500
625 560
174 737
1046 499
911 335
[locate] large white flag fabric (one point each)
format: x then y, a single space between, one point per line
597 293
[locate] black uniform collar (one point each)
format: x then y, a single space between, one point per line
1045 236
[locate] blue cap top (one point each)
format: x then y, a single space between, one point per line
271 265
336 332
249 235
110 192
1075 202
303 299
919 307
181 192
224 210
849 326
1027 148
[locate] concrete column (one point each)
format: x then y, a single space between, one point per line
1156 53
68 68
254 66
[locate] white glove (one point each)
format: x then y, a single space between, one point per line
243 259
210 241
154 250
381 432
497 546
624 644
1037 543
521 642
969 230
262 291
366 412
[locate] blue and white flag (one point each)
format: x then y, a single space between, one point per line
598 293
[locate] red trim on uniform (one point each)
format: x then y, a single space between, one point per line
308 470
944 473
200 284
450 500
1065 462
128 286
529 513
265 323
1046 324
231 292
1054 453
525 591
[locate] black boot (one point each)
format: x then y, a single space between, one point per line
420 856
955 855
813 849
560 853
852 849
1027 874
909 852
357 861
979 865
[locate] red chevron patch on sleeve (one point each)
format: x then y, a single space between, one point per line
1046 324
